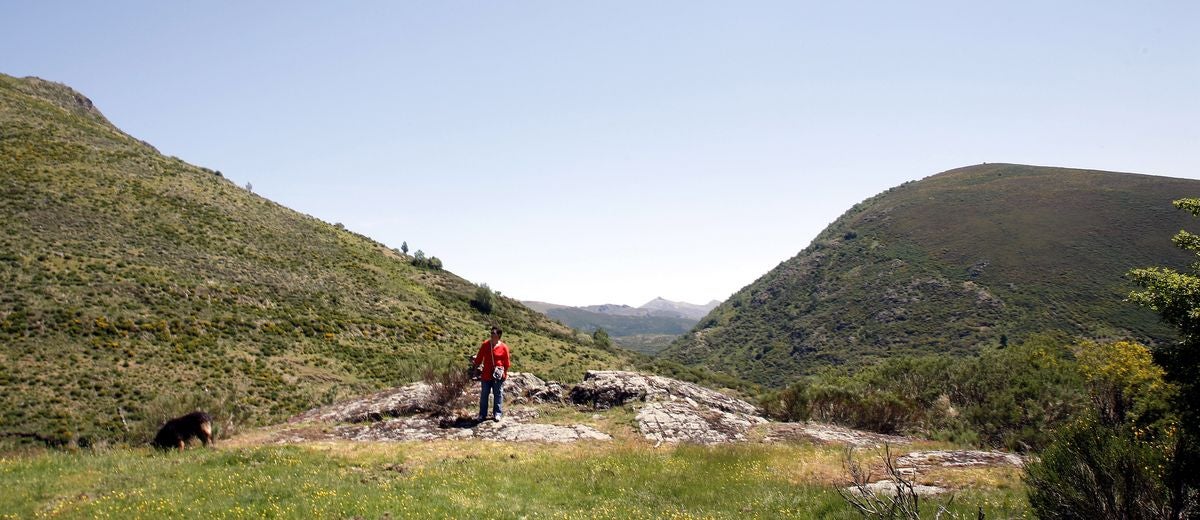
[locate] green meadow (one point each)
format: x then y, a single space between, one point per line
461 479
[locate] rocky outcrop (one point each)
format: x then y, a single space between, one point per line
394 402
908 466
608 388
671 411
518 426
520 388
668 411
892 488
675 411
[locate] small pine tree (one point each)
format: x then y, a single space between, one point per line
404 247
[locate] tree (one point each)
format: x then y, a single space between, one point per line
484 300
1112 460
1176 297
404 247
600 338
1123 382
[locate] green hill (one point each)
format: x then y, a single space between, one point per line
136 283
959 260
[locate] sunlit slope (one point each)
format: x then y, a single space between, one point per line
130 278
958 260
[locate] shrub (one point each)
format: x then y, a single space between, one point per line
789 404
601 339
447 386
1121 459
1098 471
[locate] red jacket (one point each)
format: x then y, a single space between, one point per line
500 354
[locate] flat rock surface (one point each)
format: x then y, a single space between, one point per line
516 427
890 488
959 458
829 434
684 421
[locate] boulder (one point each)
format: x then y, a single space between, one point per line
523 387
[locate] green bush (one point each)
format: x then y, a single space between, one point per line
484 300
1098 471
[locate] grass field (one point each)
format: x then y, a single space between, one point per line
619 479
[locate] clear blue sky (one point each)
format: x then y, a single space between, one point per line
615 151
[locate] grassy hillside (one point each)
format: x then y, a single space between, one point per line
135 284
962 259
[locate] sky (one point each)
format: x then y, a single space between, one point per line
613 152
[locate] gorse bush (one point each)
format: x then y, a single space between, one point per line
1096 471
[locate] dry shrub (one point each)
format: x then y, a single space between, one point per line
447 385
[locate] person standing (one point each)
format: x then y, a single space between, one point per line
493 355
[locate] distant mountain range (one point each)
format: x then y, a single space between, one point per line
970 257
646 329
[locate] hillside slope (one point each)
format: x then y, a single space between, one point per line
135 282
958 260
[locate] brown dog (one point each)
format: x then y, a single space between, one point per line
178 431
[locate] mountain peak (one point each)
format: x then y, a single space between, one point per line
689 310
59 95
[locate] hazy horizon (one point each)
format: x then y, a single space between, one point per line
585 154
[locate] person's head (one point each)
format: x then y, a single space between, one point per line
496 332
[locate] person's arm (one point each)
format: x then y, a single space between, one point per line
502 359
479 357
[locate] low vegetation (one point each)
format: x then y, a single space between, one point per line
1009 397
618 480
